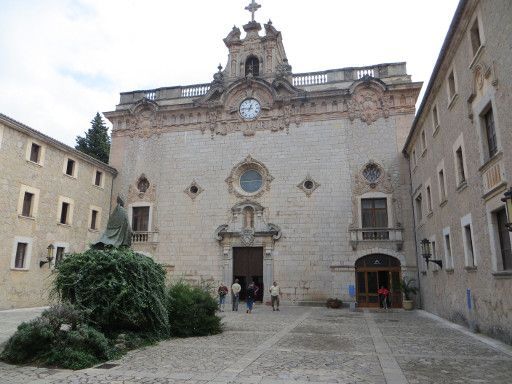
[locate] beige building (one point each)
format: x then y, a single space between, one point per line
54 200
264 174
461 165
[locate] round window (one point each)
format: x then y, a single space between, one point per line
308 184
251 181
194 189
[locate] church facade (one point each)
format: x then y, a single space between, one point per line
267 175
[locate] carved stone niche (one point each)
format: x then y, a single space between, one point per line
247 224
240 188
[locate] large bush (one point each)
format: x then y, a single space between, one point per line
192 311
117 288
58 338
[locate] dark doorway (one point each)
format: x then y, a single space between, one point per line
373 272
248 267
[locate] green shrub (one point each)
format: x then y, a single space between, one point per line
79 349
31 340
42 341
192 311
61 314
117 288
69 358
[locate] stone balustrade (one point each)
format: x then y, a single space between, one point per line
144 237
379 71
392 235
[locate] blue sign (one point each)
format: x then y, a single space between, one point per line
351 290
468 298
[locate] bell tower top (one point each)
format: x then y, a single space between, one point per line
255 55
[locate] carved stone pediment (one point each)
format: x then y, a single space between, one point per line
368 101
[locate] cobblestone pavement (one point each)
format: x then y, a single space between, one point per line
304 345
10 319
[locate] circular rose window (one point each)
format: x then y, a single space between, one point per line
251 181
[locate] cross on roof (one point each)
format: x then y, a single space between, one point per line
253 7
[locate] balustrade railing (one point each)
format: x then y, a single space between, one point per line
150 95
195 90
144 237
393 235
298 80
310 79
365 72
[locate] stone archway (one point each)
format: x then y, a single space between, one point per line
372 272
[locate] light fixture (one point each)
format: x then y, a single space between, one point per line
425 250
508 204
49 256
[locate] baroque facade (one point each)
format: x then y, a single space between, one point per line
54 200
264 174
461 166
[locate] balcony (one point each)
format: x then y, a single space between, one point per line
144 237
374 235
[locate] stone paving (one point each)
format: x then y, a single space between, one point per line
302 345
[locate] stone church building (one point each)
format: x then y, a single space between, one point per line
264 174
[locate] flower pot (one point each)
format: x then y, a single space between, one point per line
334 303
408 304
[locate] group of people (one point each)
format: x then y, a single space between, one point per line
250 295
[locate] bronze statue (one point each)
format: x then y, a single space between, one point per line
118 233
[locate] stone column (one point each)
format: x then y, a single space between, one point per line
268 272
227 269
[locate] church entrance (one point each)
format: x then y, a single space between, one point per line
247 268
373 272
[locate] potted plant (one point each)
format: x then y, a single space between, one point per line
408 288
334 303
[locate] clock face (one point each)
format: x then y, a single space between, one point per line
250 109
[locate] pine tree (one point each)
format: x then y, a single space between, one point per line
96 142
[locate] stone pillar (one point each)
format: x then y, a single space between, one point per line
268 272
227 269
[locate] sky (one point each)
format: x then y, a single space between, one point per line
61 61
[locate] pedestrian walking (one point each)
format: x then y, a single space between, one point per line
222 291
235 295
250 297
383 296
275 291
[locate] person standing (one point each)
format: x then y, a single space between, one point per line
222 291
235 295
250 297
275 291
383 295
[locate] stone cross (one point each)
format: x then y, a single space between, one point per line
253 7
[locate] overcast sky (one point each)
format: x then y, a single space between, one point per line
63 60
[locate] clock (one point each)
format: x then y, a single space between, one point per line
250 109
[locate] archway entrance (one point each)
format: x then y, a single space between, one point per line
374 271
247 267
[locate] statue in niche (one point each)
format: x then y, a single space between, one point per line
118 232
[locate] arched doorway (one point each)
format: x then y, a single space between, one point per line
374 271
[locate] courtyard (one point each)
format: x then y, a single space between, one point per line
297 345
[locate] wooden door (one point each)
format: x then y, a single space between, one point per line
247 268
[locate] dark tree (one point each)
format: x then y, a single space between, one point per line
96 142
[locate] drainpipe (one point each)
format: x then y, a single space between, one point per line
420 304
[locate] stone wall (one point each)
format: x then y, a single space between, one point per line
28 286
483 79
